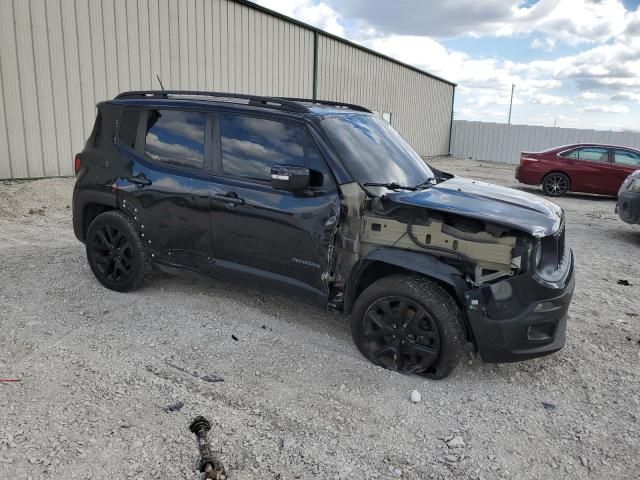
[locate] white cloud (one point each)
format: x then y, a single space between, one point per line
547 44
587 95
319 15
626 97
576 86
545 99
571 21
611 108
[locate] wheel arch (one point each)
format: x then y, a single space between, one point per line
382 262
87 205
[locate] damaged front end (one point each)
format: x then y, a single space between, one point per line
508 266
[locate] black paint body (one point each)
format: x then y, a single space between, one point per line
247 231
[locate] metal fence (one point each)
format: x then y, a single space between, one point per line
500 142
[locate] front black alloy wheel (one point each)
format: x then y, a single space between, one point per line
115 252
409 324
556 184
401 335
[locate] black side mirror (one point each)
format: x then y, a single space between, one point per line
290 178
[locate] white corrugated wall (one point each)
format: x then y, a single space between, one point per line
500 142
58 58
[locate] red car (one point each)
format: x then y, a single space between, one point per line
588 168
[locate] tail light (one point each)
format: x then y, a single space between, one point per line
527 157
77 163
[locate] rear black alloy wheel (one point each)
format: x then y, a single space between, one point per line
401 335
112 253
556 184
115 252
410 324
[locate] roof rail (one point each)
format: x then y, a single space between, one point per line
328 102
269 102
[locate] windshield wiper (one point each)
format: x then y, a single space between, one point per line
390 186
429 182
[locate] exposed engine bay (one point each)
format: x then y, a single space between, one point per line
482 252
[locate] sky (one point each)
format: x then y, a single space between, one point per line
574 63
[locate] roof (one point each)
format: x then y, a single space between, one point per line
342 40
589 144
294 105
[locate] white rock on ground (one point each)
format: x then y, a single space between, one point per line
415 396
456 442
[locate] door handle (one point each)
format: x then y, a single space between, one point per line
231 199
140 180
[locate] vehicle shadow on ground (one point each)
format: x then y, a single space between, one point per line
287 309
631 236
579 196
336 325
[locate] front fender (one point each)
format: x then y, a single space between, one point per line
417 262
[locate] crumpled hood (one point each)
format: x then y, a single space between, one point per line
491 203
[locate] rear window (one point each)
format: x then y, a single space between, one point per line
591 154
176 137
128 127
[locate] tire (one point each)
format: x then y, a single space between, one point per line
556 184
115 252
430 338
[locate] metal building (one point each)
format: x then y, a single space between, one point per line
58 58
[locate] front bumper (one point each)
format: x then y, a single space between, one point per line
628 206
520 318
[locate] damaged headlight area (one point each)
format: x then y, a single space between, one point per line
551 257
633 185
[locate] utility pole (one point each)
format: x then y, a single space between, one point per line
513 86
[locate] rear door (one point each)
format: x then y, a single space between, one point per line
625 162
589 169
273 239
167 188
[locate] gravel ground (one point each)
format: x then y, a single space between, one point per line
98 370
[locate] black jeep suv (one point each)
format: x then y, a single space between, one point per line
325 202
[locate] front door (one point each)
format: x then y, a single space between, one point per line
272 239
625 162
588 168
167 190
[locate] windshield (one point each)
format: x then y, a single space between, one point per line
375 152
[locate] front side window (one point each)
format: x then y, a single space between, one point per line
251 146
176 137
590 154
626 157
320 176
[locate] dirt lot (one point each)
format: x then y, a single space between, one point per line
99 369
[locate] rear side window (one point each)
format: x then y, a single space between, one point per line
251 146
97 130
626 157
590 154
128 127
176 137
